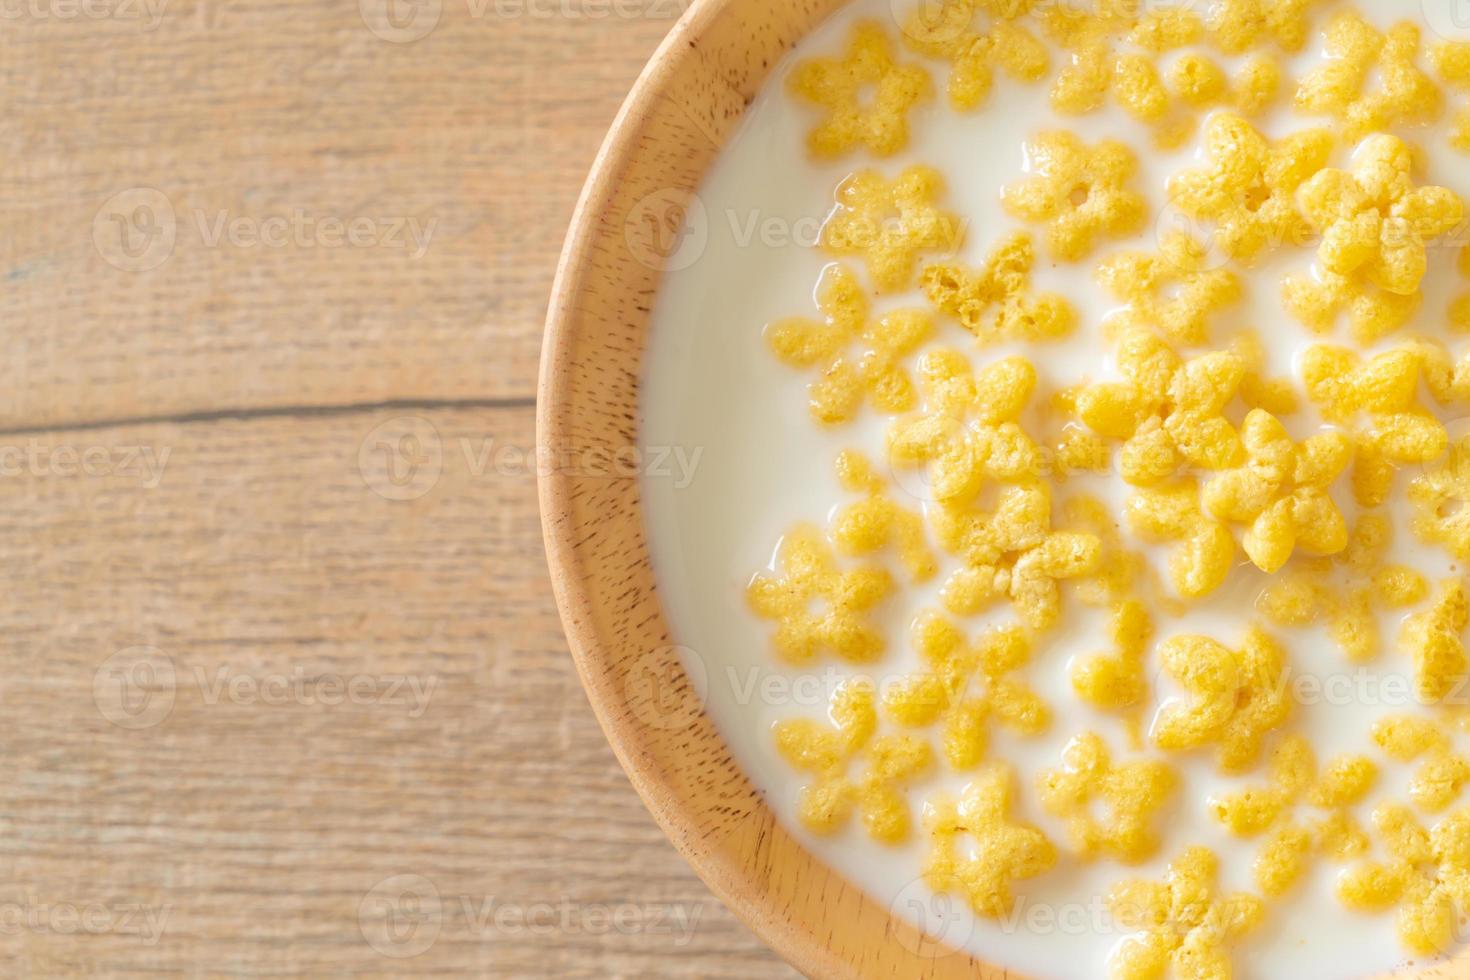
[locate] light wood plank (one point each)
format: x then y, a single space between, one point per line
256 110
263 550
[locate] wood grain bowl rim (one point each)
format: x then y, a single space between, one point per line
688 99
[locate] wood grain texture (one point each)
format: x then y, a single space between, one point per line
481 131
271 540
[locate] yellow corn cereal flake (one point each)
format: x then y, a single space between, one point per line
1440 498
1119 569
1359 56
1248 189
1013 553
859 360
946 30
1374 220
1000 851
828 753
1232 698
1385 391
1291 843
1405 738
969 432
1426 881
1205 551
1240 25
1433 640
837 85
1117 681
1185 923
1173 291
1441 775
1082 194
967 686
877 522
808 575
1167 411
1348 592
995 302
1452 63
1131 794
889 223
1282 492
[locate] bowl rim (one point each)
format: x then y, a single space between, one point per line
812 917
614 156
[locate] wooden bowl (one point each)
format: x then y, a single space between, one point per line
686 103
683 107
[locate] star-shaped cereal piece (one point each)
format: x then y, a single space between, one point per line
1319 301
1081 193
1434 640
1374 220
1357 54
859 360
876 522
809 577
970 428
1237 26
1283 492
1440 498
1442 773
1131 794
1384 391
1005 851
1248 189
1119 569
1294 781
889 223
946 30
1105 61
995 302
1427 879
1232 698
1452 63
1185 924
1460 305
1167 411
838 85
1172 291
966 686
1171 513
1013 553
1116 681
1349 591
828 753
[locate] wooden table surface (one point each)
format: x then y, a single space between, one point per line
285 689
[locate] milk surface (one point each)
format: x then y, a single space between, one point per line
712 387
